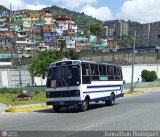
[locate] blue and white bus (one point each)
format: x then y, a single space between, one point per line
76 82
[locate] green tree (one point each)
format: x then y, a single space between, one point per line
62 46
41 61
144 74
148 76
71 54
96 29
152 76
125 41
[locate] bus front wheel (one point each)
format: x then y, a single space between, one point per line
111 100
84 106
57 108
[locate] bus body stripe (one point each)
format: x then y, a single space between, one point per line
103 86
102 91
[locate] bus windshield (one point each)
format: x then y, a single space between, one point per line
64 76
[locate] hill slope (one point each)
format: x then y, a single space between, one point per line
83 21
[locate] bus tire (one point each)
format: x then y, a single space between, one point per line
84 106
111 100
57 108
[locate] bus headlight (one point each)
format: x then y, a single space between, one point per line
77 93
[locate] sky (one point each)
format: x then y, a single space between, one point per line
143 11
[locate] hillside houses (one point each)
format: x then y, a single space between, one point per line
29 30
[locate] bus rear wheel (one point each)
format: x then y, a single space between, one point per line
57 108
84 106
111 100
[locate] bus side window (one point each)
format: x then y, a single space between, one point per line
117 73
110 71
86 78
121 75
103 72
94 71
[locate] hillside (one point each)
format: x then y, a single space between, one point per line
2 8
83 21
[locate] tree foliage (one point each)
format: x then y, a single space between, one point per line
96 29
40 62
125 41
148 76
83 21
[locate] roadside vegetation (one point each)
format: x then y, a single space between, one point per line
40 62
135 92
148 76
9 97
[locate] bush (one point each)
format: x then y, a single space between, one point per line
37 92
153 76
4 90
148 76
15 91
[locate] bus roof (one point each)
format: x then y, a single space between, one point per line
71 62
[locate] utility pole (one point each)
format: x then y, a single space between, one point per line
133 61
16 49
11 32
33 39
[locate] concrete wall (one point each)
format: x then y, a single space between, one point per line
11 77
127 71
123 58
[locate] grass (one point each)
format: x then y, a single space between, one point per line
7 99
136 90
39 97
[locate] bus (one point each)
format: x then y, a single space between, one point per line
76 82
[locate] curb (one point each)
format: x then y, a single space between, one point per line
128 94
28 109
3 107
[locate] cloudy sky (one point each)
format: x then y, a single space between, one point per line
143 11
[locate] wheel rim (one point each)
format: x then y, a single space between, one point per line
85 105
113 99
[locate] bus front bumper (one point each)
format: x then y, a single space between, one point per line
65 103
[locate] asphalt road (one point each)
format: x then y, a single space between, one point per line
141 112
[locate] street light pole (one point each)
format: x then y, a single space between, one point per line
133 61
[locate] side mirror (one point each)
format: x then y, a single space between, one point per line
43 75
124 81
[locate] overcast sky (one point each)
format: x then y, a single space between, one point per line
143 11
